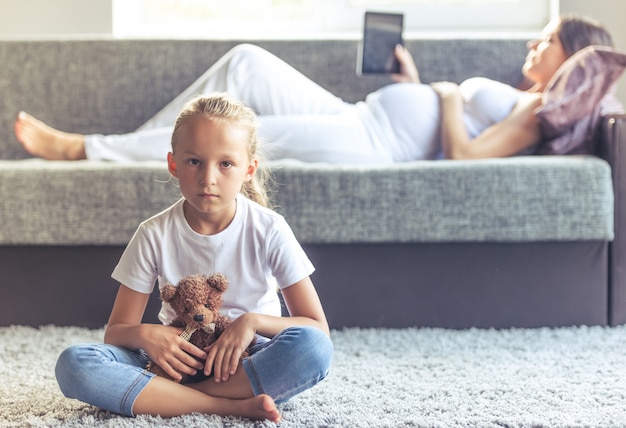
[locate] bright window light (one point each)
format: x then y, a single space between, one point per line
233 19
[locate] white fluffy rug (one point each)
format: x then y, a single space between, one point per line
564 377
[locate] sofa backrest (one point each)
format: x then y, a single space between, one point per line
113 86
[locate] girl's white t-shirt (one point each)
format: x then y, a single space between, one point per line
258 252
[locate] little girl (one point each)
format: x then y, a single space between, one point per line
220 225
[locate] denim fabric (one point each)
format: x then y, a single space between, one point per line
105 376
112 377
293 361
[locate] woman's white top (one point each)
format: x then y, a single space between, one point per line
411 113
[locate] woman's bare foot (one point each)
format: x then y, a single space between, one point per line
46 142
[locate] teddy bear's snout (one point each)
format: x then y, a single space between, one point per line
198 317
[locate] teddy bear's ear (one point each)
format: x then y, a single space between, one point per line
168 292
217 281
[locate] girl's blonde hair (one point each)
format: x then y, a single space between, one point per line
224 107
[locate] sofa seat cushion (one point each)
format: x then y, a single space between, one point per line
84 202
507 200
520 199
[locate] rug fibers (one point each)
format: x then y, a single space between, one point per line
565 377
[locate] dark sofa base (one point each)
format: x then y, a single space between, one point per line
456 285
461 285
57 285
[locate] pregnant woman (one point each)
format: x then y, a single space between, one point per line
404 121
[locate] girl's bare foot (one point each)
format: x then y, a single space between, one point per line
46 142
257 407
260 407
167 399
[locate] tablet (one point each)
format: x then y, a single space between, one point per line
381 33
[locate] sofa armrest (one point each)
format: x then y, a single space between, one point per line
612 148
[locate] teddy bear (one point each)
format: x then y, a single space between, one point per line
196 299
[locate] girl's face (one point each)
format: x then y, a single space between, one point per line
545 56
211 163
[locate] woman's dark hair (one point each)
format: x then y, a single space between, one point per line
577 32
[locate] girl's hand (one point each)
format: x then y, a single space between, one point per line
162 344
223 356
165 347
408 69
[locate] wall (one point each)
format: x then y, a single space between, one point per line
34 18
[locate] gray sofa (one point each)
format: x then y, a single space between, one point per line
519 242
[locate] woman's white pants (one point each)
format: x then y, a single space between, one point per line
298 118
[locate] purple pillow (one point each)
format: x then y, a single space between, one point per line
577 88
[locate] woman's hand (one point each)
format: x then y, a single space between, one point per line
515 133
174 355
224 355
447 90
408 69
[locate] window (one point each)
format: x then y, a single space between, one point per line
322 18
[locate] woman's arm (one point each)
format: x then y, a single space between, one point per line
162 344
517 132
304 307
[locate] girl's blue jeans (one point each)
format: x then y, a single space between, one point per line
111 377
